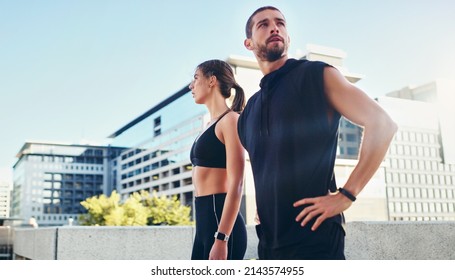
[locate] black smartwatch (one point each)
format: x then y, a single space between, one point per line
221 236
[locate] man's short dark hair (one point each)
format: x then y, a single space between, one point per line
249 23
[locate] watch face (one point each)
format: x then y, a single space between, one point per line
221 236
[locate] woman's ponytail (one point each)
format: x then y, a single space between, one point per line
239 99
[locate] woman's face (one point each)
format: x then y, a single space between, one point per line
200 87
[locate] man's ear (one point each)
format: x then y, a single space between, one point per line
248 44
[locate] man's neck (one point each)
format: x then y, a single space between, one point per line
268 67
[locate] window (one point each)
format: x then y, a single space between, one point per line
187 181
350 137
417 193
404 192
391 207
424 193
411 193
157 121
352 151
443 193
157 126
438 208
416 179
407 150
430 193
405 207
396 192
419 207
425 207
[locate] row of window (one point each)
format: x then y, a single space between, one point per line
56 195
423 179
349 137
56 218
68 167
67 159
416 137
167 139
422 218
162 187
421 207
414 150
424 165
397 192
175 146
146 168
145 158
48 176
172 158
351 151
75 209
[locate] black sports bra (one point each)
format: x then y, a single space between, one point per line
208 150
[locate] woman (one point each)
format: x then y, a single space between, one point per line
218 161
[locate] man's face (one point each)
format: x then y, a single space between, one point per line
269 40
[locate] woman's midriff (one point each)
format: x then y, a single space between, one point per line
208 180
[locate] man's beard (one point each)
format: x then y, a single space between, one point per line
271 54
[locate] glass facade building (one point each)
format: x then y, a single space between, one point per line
50 180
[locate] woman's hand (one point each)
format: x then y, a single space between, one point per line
219 250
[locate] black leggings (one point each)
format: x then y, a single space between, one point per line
208 215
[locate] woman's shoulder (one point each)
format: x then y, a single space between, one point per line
229 121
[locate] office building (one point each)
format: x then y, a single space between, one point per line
159 142
5 194
420 175
50 180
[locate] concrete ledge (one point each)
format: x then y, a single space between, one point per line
400 241
124 243
364 241
35 244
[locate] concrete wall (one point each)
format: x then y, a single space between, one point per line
364 241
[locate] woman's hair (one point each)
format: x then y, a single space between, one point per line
225 76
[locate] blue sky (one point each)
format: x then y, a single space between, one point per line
75 71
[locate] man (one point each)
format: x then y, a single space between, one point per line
290 130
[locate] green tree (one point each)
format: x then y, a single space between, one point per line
138 210
99 207
166 211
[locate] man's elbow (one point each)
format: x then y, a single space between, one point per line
388 127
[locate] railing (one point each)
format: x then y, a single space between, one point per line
364 241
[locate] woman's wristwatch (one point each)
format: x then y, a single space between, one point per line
221 236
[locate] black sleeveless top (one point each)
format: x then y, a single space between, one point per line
208 150
292 147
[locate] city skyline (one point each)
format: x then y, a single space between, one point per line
77 72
